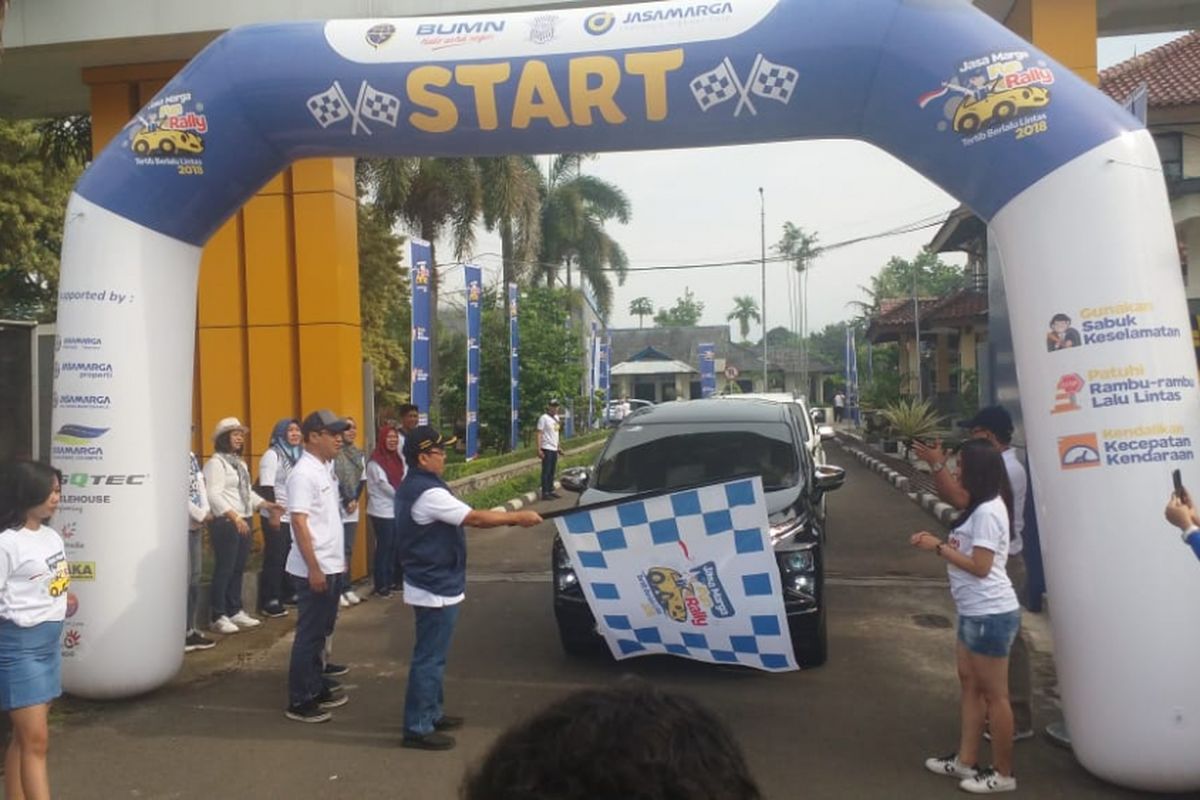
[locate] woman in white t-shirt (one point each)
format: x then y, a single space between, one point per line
34 577
989 618
385 471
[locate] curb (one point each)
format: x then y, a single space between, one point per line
520 502
942 512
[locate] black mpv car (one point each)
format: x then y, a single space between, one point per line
676 445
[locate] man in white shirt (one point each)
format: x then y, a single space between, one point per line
548 448
995 425
315 565
433 552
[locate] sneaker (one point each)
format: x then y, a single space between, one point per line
274 610
222 624
244 620
382 593
988 781
1018 736
949 765
308 712
448 723
343 602
292 600
333 670
427 741
332 686
197 641
351 598
327 699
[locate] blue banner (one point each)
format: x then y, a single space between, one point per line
474 279
422 320
591 377
708 369
514 368
602 374
852 412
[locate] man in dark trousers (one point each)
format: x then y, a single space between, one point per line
433 552
549 448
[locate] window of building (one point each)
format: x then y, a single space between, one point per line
1170 153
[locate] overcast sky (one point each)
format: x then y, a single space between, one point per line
700 206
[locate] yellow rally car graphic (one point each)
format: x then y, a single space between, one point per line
689 597
159 141
998 106
62 575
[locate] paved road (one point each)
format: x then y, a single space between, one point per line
857 728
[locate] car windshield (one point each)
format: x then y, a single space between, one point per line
645 458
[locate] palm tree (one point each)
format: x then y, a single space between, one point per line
745 308
802 249
641 307
512 203
574 209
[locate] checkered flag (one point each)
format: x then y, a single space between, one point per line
715 86
329 106
774 81
380 106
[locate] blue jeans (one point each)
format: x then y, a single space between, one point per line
349 529
316 616
990 634
383 567
231 550
549 462
423 699
195 562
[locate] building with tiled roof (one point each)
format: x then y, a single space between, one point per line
1171 73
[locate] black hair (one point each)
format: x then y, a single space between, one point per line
222 443
982 473
632 742
1059 318
24 485
407 407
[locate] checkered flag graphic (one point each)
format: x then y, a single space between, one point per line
329 106
380 106
774 81
714 87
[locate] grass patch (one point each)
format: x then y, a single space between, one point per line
500 493
463 469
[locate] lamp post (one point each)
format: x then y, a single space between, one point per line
762 219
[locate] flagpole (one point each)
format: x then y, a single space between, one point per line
762 219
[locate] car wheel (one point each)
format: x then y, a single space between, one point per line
167 146
1005 110
968 123
577 646
141 147
812 646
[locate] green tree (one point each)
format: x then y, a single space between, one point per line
829 345
779 336
933 277
512 204
575 209
33 201
797 246
685 313
641 307
745 308
385 309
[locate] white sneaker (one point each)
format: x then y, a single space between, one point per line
352 598
223 624
244 620
343 602
949 765
988 781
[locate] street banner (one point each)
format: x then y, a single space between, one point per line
474 278
690 573
422 320
708 369
852 410
591 377
514 370
602 370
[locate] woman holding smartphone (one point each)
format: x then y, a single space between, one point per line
34 577
989 618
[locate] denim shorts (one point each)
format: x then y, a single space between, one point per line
990 634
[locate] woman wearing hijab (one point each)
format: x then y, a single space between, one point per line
349 466
385 470
273 468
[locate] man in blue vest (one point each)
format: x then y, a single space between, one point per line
433 553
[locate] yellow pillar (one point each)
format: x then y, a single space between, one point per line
1065 29
278 325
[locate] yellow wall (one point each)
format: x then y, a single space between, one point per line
1065 29
278 327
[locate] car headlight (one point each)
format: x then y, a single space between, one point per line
797 561
566 580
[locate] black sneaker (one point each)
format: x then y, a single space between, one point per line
292 600
448 723
327 699
197 641
333 670
308 712
427 741
275 610
330 685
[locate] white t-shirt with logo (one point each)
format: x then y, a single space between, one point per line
547 432
435 505
1019 482
34 576
312 489
987 527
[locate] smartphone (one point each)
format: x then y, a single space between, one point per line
1177 479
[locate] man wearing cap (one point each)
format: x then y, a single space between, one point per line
315 565
548 448
433 553
995 425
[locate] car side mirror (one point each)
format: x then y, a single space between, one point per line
575 479
825 432
828 478
818 415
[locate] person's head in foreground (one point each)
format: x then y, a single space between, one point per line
630 742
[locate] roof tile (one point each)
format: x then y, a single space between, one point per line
1171 72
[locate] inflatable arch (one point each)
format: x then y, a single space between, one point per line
1070 184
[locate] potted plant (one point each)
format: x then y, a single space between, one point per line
909 419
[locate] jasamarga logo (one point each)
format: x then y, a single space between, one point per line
88 369
78 441
77 342
93 401
687 13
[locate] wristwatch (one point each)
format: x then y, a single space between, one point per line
938 467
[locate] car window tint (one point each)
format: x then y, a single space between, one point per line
643 458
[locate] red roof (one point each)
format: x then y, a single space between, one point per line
960 308
1172 73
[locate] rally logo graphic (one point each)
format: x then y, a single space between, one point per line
78 434
687 597
170 131
999 93
473 292
766 80
599 23
333 106
61 575
379 35
422 276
